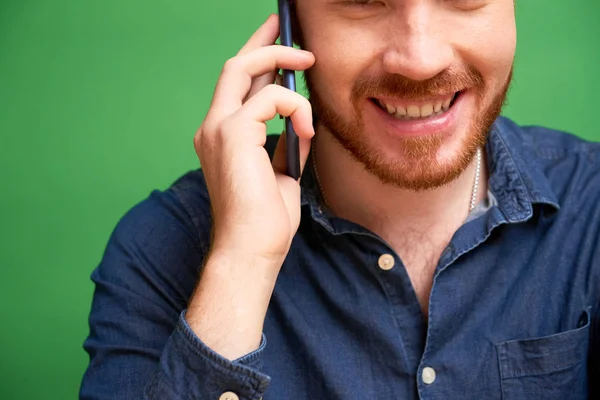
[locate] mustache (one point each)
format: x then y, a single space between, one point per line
394 85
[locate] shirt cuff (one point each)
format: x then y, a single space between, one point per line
191 370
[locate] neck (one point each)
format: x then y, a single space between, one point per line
361 197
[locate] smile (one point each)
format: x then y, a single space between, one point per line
398 117
415 110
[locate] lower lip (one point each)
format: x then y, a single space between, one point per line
438 124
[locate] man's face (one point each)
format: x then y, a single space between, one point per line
409 87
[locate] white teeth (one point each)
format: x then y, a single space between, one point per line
390 109
414 111
446 104
426 110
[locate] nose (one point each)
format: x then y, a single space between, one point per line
418 47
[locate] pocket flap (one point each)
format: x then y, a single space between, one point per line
545 354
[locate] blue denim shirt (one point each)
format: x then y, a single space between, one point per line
513 310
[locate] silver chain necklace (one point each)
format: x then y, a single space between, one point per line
476 181
474 192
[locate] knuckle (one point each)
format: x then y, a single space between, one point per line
287 98
301 102
207 128
304 102
308 108
232 64
272 89
205 135
209 141
203 142
270 93
225 127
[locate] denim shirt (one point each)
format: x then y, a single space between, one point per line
513 309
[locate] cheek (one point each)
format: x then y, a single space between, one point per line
339 61
488 43
496 60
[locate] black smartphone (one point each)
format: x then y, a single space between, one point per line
289 81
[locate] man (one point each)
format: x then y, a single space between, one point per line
430 250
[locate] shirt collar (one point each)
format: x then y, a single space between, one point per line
515 179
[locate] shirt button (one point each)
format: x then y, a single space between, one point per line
428 375
229 396
386 262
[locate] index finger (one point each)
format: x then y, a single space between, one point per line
265 35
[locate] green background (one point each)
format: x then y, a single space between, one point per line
99 101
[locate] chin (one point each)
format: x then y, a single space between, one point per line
417 162
428 164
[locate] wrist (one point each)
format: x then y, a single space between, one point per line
261 264
228 308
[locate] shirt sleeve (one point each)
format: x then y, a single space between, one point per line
140 346
211 374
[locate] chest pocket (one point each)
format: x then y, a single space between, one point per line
548 368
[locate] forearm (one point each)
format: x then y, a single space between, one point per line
228 307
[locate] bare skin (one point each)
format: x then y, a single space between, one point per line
257 209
